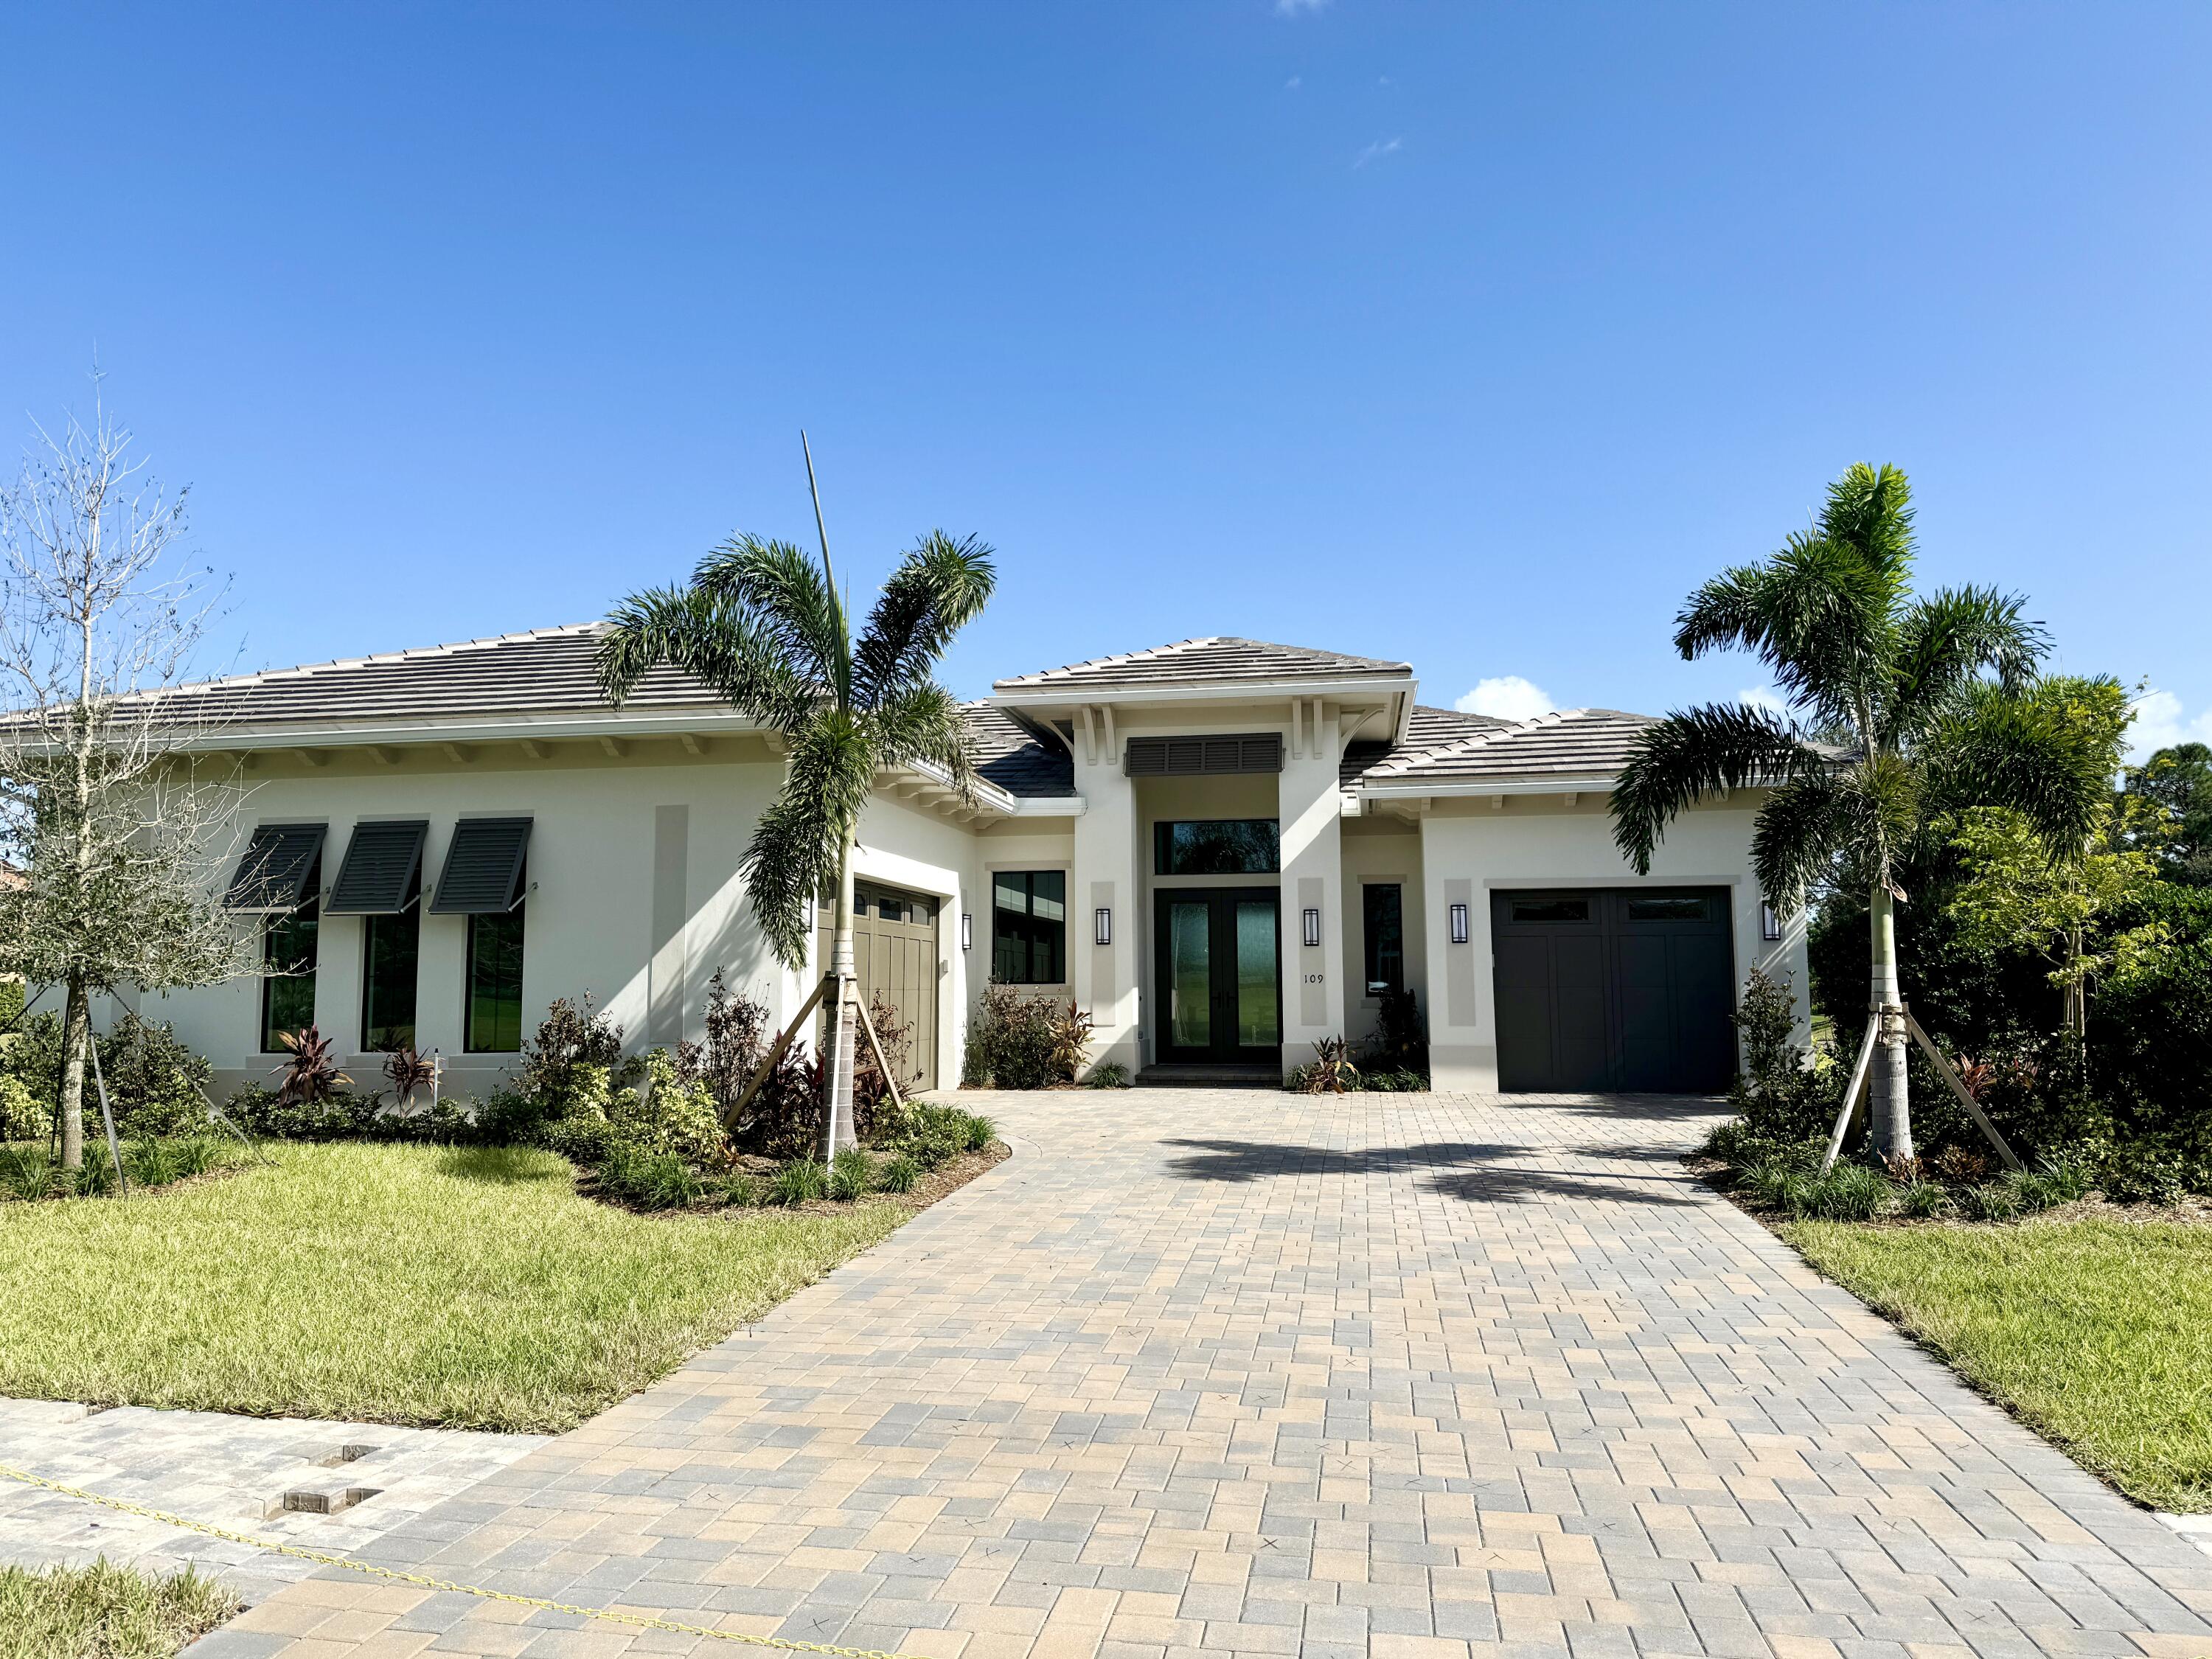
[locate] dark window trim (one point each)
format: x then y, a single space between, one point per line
1163 839
485 919
1040 924
1367 942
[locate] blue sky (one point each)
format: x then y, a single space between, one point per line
1472 334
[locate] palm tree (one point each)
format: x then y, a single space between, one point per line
766 628
1902 709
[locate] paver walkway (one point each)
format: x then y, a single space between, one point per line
1414 1377
229 1471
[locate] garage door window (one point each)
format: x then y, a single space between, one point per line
1551 910
1666 909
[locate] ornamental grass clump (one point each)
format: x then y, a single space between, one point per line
1849 1192
851 1173
800 1182
898 1173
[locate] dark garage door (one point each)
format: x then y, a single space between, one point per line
1612 988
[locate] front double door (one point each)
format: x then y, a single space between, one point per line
1220 974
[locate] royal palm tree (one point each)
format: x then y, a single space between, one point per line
1901 709
765 626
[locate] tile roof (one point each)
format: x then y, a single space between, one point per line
1427 728
547 671
1010 755
1214 661
1573 742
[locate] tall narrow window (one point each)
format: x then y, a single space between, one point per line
1029 926
287 960
495 1010
392 947
1383 905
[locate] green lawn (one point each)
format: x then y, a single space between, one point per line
393 1284
106 1612
2097 1333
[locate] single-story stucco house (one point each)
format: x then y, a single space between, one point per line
1223 849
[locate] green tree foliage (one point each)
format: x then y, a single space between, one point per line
1904 710
2175 785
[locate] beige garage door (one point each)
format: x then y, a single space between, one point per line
894 955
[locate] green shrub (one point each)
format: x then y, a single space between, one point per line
1780 1093
1109 1074
154 1081
668 1112
898 1173
933 1136
800 1182
2144 1173
25 1172
197 1154
851 1173
1012 1039
981 1132
1849 1192
23 1116
667 1182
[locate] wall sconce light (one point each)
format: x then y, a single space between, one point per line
967 931
1102 926
1312 928
1459 924
1769 924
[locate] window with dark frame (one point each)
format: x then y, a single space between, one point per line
1551 910
1216 847
288 955
495 983
1383 910
390 952
1029 926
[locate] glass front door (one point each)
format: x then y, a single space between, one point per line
1219 974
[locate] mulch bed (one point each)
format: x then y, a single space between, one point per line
2193 1210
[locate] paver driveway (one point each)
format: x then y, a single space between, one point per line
1420 1377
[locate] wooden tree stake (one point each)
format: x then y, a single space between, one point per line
1958 1087
876 1047
1851 1094
738 1107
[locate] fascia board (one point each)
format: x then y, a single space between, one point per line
297 734
1562 783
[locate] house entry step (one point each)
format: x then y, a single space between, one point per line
1195 1076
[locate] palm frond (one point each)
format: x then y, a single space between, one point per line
939 588
784 594
1801 831
1945 641
711 641
793 858
1815 613
1869 511
924 723
1689 755
2030 753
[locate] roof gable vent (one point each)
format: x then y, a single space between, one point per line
1175 758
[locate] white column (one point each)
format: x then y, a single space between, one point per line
1310 808
1106 977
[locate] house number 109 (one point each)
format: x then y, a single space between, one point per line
1312 979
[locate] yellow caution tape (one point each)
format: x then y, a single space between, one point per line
615 1615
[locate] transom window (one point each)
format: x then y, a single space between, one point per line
1216 847
1029 926
1670 908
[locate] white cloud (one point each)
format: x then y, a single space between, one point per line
1506 697
1297 7
1377 150
2160 723
1294 83
1764 696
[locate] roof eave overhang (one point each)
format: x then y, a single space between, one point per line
402 728
1259 691
1552 783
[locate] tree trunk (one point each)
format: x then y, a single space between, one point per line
77 1039
844 1025
1892 1112
2077 989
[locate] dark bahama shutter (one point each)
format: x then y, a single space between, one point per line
272 874
380 877
1171 757
483 867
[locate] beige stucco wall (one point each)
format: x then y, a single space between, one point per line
1469 849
